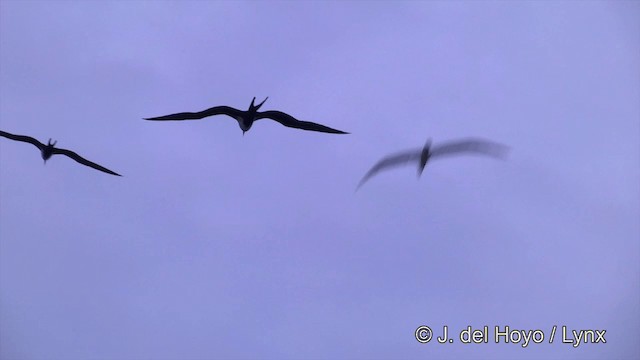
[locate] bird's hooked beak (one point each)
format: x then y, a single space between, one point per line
243 131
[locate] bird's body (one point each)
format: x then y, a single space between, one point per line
424 156
48 150
427 152
246 119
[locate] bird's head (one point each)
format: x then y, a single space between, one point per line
427 145
253 108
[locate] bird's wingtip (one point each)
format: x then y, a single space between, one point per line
502 151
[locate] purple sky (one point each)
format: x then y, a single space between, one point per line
216 245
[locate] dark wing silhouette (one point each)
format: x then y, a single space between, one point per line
83 161
290 121
470 145
23 138
391 161
216 110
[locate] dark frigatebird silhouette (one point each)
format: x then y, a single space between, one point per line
246 118
50 150
422 156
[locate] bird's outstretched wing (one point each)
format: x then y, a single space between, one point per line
290 121
391 161
471 145
23 138
83 161
216 110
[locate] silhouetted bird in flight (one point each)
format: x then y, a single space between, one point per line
422 156
246 118
49 150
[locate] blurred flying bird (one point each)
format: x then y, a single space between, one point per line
422 156
246 118
49 150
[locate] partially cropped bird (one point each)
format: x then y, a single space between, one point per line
49 150
422 156
246 118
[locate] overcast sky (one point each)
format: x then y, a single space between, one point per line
215 245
